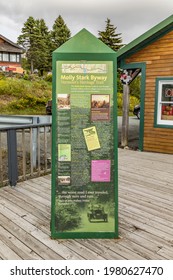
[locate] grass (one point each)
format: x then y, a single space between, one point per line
24 97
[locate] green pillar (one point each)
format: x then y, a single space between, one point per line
84 140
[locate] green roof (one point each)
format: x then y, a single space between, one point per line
84 42
148 37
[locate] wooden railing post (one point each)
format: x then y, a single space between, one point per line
12 157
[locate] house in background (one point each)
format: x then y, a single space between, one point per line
152 53
10 56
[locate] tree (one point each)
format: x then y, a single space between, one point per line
110 37
60 33
26 39
42 48
35 39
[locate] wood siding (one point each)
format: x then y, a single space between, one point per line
158 57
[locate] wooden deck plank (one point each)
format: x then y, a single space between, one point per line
149 207
148 194
17 246
39 186
32 195
124 252
7 253
100 248
26 199
30 208
83 250
38 234
33 244
145 216
141 223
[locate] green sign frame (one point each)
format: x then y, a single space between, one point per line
84 200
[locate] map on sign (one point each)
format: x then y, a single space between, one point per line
84 68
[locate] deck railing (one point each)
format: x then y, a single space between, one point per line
25 152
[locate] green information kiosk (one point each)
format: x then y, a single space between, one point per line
84 140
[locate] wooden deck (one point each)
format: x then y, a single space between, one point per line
145 216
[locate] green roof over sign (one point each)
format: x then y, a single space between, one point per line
84 42
148 37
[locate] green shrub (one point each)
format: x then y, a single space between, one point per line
133 101
24 96
48 78
26 77
12 86
67 217
2 76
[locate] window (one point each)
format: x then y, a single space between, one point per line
5 57
17 58
164 97
14 57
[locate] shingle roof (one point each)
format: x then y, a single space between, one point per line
9 46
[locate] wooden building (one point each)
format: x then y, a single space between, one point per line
152 53
10 56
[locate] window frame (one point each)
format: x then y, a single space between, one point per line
13 57
7 55
159 122
10 55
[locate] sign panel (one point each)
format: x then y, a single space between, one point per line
85 150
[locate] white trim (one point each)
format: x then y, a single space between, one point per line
160 102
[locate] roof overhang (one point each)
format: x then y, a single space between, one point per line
147 38
15 48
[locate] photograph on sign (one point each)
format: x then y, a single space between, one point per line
63 101
100 107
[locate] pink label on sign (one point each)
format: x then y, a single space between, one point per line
100 170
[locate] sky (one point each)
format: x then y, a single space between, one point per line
131 18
